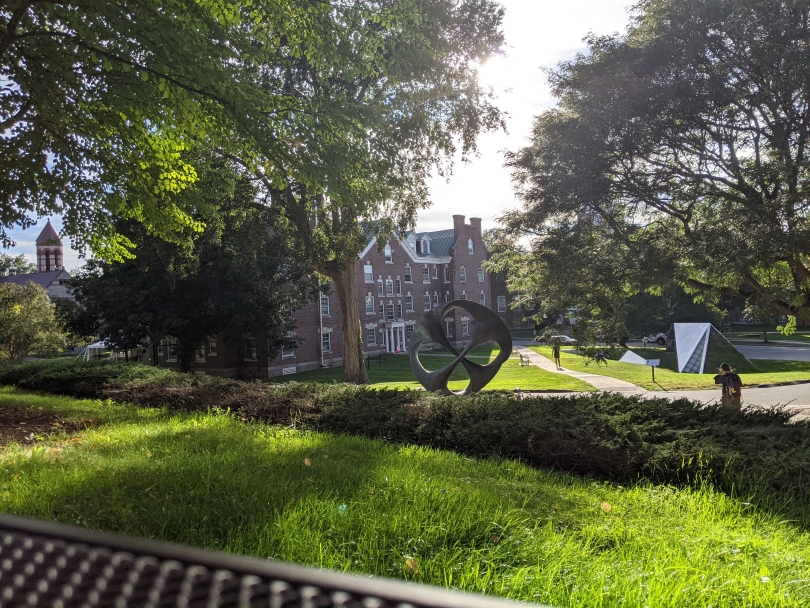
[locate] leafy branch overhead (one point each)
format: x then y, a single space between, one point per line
687 137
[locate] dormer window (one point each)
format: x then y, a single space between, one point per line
470 247
389 259
425 246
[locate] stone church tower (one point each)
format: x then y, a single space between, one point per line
49 250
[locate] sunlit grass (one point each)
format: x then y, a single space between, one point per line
667 376
395 372
357 505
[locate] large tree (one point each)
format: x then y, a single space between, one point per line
689 132
10 264
240 275
401 102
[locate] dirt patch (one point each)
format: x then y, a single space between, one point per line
27 427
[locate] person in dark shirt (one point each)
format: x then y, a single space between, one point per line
731 384
555 350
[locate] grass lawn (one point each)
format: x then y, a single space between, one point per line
667 376
364 506
396 372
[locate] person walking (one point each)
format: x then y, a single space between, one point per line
555 350
731 384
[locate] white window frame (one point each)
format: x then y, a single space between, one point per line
435 273
326 342
465 327
368 273
435 298
325 310
389 312
449 328
398 286
399 310
481 276
501 303
446 273
408 274
389 256
463 295
425 274
482 299
370 301
426 301
446 297
287 353
389 287
409 303
462 274
470 247
380 288
371 336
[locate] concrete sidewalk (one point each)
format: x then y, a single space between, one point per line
601 383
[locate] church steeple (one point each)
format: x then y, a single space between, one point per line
49 249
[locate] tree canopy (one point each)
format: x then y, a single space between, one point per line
28 324
240 275
10 264
687 139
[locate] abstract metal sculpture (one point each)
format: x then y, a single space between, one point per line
488 327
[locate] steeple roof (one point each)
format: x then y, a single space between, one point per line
48 235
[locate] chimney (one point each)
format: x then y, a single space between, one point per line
458 225
475 222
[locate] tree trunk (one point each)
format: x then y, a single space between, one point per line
354 371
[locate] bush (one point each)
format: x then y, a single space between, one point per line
611 437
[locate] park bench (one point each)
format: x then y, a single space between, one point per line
46 564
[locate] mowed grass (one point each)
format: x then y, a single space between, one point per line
363 506
667 376
396 372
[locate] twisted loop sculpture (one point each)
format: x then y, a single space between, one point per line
488 327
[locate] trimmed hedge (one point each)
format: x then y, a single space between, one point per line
611 437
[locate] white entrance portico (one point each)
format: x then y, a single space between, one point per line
395 337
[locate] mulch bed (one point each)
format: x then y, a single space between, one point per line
27 427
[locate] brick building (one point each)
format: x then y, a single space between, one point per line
397 283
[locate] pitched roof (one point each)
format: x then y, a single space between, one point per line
48 234
441 242
43 279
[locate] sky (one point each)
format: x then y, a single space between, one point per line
539 34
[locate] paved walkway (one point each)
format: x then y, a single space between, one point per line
602 383
794 397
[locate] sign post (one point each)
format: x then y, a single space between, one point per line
653 363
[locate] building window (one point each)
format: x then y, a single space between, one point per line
470 247
390 316
199 354
463 295
435 298
435 273
446 274
482 299
382 310
325 306
465 327
250 348
369 304
326 341
368 274
449 324
171 350
501 303
462 275
446 296
380 287
481 276
408 332
212 348
409 303
398 284
389 287
408 275
427 301
389 258
371 336
425 246
399 311
426 275
287 352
